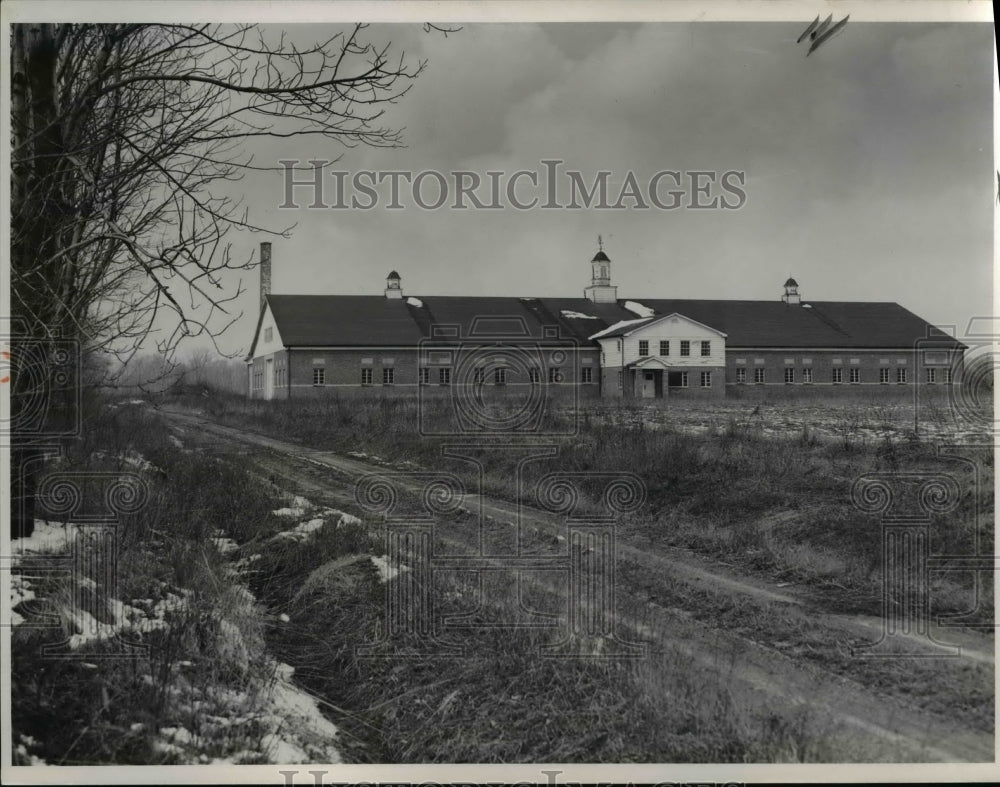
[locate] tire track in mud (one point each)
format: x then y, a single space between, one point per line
758 676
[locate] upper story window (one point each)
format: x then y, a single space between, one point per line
664 347
444 375
425 375
366 375
500 376
706 349
268 334
388 376
643 347
319 375
685 347
586 374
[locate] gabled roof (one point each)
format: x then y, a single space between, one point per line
373 320
818 324
343 320
632 326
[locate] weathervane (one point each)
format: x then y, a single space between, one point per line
600 243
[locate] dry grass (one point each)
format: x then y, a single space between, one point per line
768 503
200 690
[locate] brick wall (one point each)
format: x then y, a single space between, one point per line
822 364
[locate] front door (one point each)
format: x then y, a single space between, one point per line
648 385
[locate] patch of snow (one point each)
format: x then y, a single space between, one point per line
302 531
415 302
301 723
617 325
298 507
376 460
578 315
46 537
223 543
385 571
131 458
637 308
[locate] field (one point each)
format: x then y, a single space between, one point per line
747 574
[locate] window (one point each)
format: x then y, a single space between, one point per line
789 376
664 347
388 376
948 376
268 334
643 347
931 375
587 374
685 347
479 375
901 375
499 376
741 375
807 375
855 375
425 375
366 376
533 375
758 376
555 374
444 375
838 375
706 349
684 379
706 379
621 376
319 375
883 375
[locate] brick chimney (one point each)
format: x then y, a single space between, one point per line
265 271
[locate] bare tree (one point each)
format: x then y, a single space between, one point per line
126 139
123 138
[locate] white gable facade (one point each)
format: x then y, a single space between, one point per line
649 358
266 367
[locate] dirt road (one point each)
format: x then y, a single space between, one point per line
773 647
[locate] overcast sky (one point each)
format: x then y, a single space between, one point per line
869 166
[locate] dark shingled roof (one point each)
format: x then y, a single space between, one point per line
373 320
343 320
601 257
820 324
393 275
791 282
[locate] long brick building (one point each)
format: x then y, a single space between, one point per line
311 345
